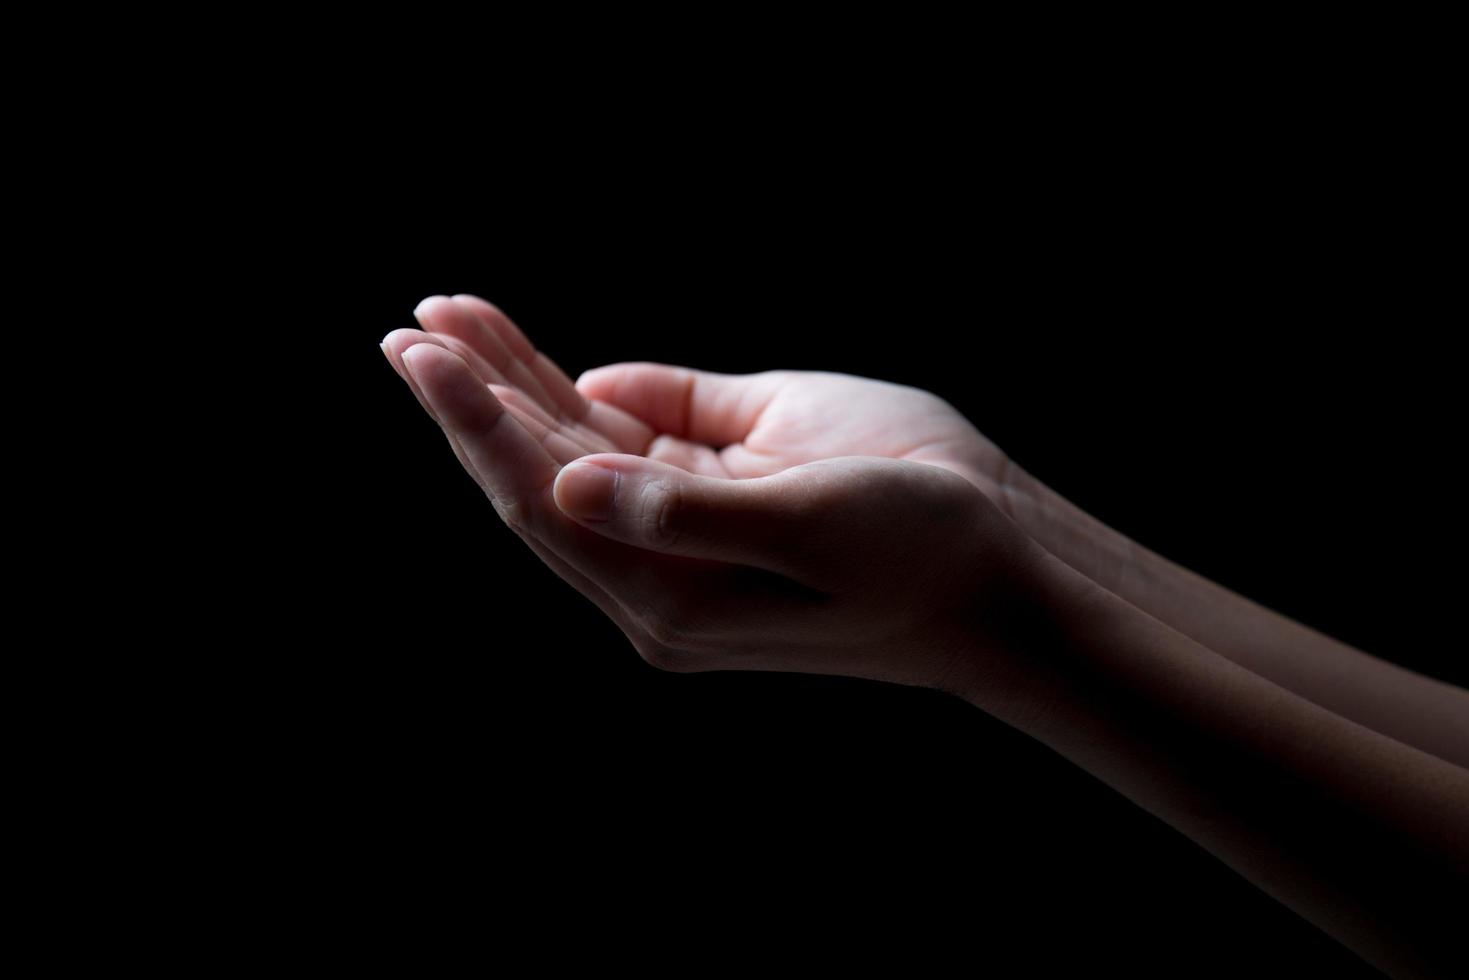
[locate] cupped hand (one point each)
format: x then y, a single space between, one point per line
783 520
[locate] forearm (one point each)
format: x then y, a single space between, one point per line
1359 833
1420 711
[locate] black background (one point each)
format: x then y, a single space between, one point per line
1222 343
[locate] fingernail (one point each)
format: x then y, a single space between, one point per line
588 491
408 358
418 310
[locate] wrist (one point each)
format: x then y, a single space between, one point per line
1013 651
1078 539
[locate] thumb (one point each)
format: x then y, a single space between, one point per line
659 507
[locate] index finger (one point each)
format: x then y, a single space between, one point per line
510 464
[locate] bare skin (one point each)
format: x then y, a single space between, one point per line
778 591
750 426
814 522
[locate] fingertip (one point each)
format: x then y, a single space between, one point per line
403 338
427 306
593 380
428 357
586 490
513 397
622 463
410 355
473 299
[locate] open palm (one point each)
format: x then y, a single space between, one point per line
725 425
781 520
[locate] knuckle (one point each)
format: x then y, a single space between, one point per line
665 626
661 656
806 503
514 513
816 507
671 621
661 514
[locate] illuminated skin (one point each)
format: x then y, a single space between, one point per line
816 522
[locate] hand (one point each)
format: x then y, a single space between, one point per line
800 521
741 426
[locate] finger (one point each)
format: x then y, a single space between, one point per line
626 432
742 462
507 459
679 612
441 315
692 456
649 649
398 341
393 347
588 440
512 467
405 337
561 445
682 602
702 406
656 506
545 370
673 609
